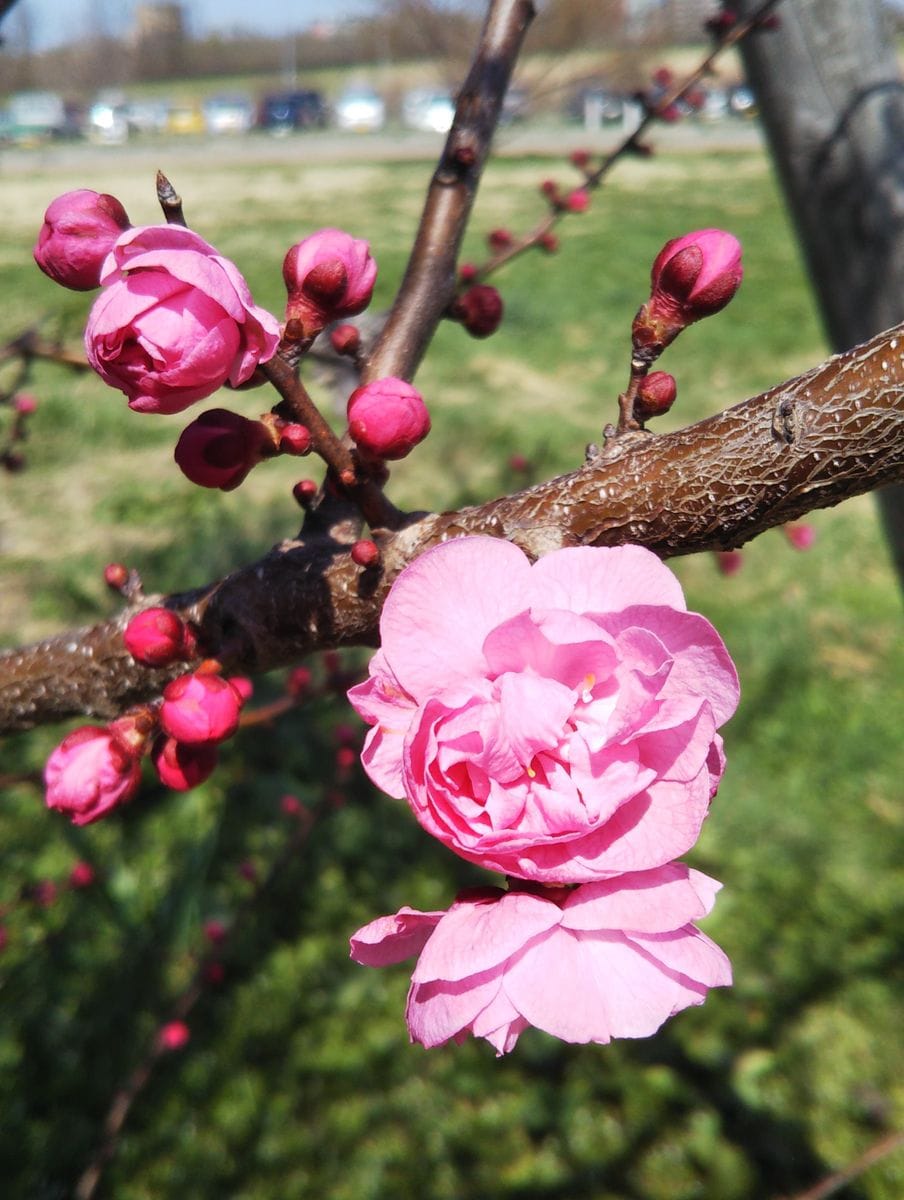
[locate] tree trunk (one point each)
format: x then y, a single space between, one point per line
832 102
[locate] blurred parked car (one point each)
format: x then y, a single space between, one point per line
742 102
146 116
714 104
36 116
361 110
596 106
107 122
228 114
285 111
185 118
428 110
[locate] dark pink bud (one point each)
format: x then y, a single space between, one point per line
219 448
200 707
290 806
213 973
578 201
82 875
387 418
365 553
43 893
662 76
155 637
215 931
670 114
518 462
479 310
693 277
248 871
25 403
89 774
580 158
180 766
173 1035
79 230
328 275
298 682
729 562
295 438
499 239
304 492
346 757
549 242
655 396
346 339
800 536
550 189
116 576
467 271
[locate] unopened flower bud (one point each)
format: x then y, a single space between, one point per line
467 272
82 875
181 766
79 230
499 239
219 448
549 242
693 276
578 201
801 536
304 492
298 682
655 396
116 576
290 806
550 189
729 562
365 553
519 463
89 774
346 339
328 275
213 973
215 931
25 403
580 158
387 418
295 438
200 707
479 310
155 637
173 1035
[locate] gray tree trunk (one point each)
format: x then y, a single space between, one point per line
832 102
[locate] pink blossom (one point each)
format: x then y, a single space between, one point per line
155 637
181 766
78 233
89 774
554 721
219 448
328 275
25 403
387 418
801 536
200 707
82 875
610 959
175 321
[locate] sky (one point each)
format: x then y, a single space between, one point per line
53 22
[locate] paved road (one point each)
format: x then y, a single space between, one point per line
333 146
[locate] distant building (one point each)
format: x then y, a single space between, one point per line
157 40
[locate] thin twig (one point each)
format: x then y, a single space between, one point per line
838 1179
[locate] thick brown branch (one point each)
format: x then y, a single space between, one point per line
830 434
429 282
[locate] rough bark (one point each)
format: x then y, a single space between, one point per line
832 101
832 433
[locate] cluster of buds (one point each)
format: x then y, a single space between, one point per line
479 309
219 448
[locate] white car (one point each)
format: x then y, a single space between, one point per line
428 110
361 110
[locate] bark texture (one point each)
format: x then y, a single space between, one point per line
832 101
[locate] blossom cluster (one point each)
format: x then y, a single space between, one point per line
555 722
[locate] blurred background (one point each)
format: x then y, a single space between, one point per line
184 965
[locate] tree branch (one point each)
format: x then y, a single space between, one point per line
832 433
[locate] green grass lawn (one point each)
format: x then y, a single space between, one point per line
298 1081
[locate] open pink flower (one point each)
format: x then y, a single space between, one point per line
89 774
554 721
175 321
586 964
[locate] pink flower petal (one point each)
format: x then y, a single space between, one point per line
587 579
389 940
442 607
655 901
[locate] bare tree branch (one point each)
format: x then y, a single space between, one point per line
832 433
